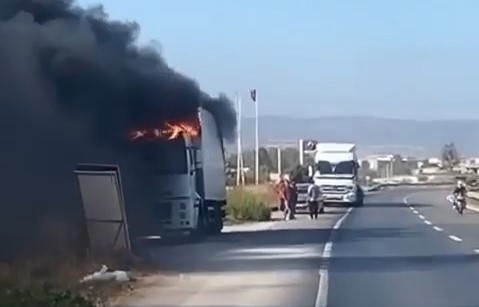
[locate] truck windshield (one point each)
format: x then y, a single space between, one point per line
341 168
168 157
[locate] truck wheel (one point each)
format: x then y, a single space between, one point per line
215 222
217 227
218 222
202 227
359 198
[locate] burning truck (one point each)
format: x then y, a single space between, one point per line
182 188
189 180
79 89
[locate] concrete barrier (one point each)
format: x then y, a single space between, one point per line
380 186
445 183
473 195
473 200
372 188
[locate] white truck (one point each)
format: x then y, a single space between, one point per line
183 185
190 187
336 173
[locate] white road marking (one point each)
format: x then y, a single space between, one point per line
427 222
322 296
259 226
421 217
415 212
476 251
405 200
454 238
412 208
271 253
438 228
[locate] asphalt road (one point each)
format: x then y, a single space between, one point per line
272 264
389 254
383 254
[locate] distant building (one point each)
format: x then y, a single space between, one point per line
434 162
376 161
381 164
392 165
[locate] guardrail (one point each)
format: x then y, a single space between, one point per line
472 194
399 184
419 183
371 188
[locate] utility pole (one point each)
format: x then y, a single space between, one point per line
254 96
240 178
301 151
279 161
257 141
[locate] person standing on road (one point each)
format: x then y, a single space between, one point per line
280 187
287 198
314 201
293 198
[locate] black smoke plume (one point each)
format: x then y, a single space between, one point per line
73 83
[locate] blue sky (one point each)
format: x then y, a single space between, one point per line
401 59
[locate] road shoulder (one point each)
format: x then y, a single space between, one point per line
255 264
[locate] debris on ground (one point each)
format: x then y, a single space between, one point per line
105 275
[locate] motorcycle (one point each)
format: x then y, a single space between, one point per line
459 203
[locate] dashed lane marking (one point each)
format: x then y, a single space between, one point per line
454 238
322 296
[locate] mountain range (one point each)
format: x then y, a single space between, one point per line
373 135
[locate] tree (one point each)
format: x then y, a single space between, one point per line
299 173
449 155
265 159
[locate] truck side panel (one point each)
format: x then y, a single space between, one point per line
212 159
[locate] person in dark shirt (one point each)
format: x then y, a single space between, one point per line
293 199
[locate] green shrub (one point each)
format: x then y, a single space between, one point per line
247 206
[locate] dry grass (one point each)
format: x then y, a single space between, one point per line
251 203
265 192
50 265
35 275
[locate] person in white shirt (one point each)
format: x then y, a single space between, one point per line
315 203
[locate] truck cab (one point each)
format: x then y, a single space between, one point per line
336 173
175 199
190 181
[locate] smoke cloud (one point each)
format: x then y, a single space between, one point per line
73 83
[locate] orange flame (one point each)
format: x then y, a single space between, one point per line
169 131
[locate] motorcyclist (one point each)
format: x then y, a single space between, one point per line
460 190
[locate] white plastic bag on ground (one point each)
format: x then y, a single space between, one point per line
104 275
